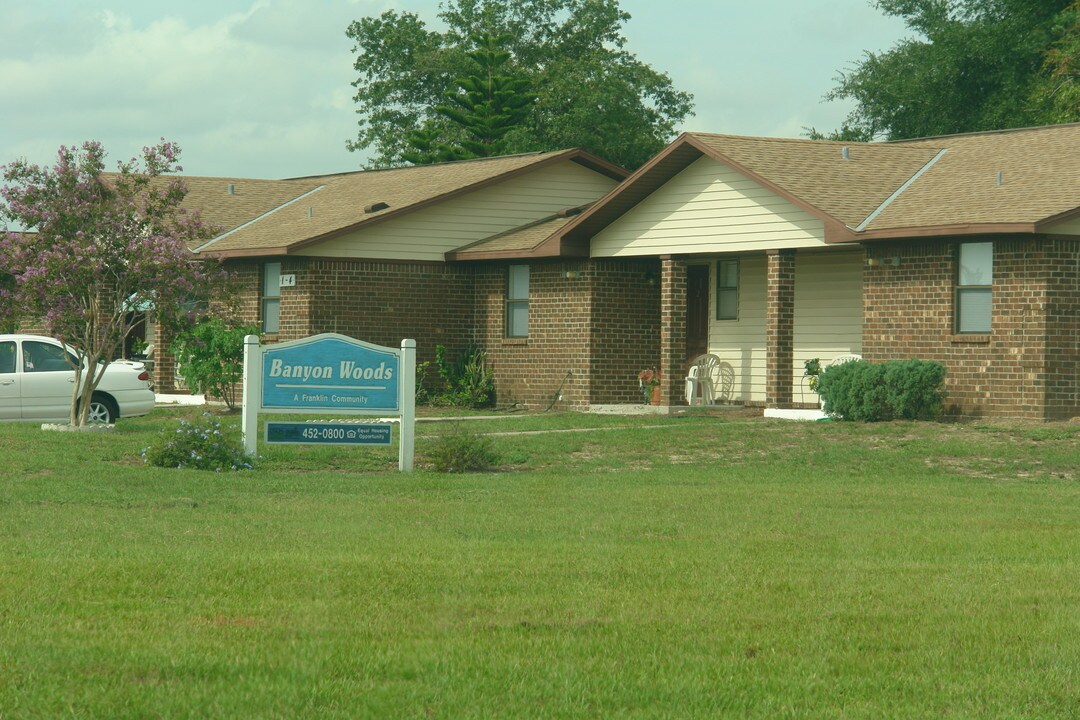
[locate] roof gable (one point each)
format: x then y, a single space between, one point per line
708 207
304 211
863 191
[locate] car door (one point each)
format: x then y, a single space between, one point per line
47 381
9 381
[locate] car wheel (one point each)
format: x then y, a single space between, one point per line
102 410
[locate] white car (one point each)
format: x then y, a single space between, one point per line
36 381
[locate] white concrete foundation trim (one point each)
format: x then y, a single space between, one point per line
630 409
793 414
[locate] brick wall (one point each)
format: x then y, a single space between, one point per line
672 331
1060 261
380 302
589 334
625 321
383 302
780 328
1025 368
554 359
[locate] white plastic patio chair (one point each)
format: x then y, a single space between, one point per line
709 380
845 358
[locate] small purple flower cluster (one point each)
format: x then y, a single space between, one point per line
201 444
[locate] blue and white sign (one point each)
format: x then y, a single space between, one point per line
330 373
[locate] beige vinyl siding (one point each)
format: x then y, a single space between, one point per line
742 342
828 311
429 233
709 207
1069 227
828 319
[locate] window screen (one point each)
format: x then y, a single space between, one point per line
271 297
517 301
727 290
975 279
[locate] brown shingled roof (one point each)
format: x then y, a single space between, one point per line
1040 180
294 213
817 172
863 191
249 199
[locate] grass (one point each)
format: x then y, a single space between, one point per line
650 567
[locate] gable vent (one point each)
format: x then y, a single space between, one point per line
375 207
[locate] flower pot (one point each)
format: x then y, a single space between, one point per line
654 395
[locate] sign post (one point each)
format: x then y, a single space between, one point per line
330 373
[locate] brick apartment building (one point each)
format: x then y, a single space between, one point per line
765 252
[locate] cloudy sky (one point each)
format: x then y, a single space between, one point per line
261 88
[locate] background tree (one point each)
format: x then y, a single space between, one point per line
590 91
978 65
1060 90
483 107
100 247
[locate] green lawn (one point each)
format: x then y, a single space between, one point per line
651 567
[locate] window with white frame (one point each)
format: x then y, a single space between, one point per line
974 283
517 301
271 297
727 289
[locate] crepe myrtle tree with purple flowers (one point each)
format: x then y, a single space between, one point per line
96 248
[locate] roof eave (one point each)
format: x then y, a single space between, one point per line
243 253
930 231
1048 222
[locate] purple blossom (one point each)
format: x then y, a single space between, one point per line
95 241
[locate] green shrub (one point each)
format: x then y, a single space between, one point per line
201 444
462 451
423 393
895 390
467 381
210 356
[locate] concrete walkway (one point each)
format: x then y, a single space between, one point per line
167 399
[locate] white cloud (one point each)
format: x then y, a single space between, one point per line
262 87
274 70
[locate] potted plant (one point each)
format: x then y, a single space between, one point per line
812 373
649 382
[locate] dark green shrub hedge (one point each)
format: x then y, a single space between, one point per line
895 390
